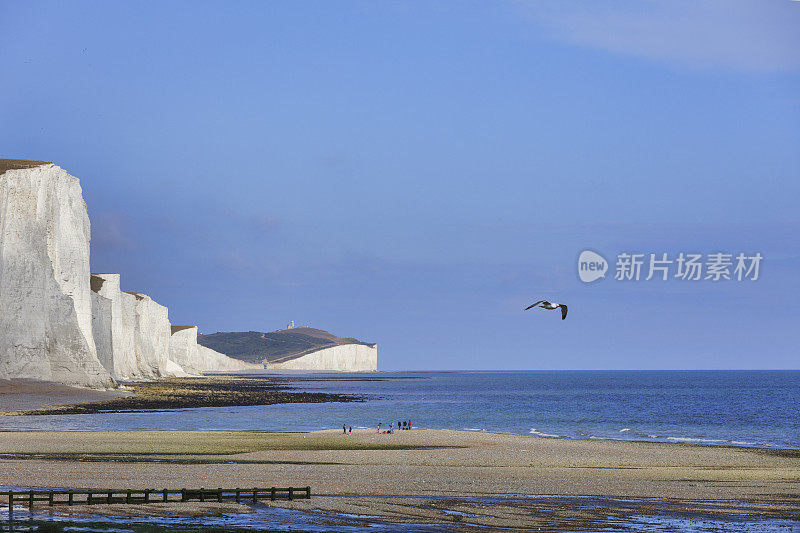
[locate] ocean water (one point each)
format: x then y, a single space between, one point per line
734 408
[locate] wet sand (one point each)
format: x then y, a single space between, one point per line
28 395
165 393
425 475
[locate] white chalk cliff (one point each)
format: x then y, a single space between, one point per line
296 348
58 322
194 358
341 358
119 355
45 300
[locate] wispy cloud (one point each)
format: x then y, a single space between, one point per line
109 232
749 35
263 223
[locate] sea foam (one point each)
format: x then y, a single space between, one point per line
538 433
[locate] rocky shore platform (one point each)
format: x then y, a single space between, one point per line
167 393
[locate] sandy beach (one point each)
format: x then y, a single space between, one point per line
419 476
31 394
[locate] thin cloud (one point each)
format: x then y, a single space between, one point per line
747 35
109 232
262 223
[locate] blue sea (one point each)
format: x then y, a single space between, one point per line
731 408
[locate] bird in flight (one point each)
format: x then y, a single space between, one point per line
550 306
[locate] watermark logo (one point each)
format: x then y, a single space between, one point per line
591 266
685 266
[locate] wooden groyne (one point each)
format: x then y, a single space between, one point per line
98 496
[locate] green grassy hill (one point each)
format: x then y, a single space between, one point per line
284 344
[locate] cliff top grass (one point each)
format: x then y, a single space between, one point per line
138 295
96 283
276 346
14 164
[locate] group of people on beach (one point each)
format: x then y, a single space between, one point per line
401 424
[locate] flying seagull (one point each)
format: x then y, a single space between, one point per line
550 306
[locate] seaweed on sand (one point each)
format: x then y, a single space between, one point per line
182 393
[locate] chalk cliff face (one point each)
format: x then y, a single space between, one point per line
194 358
138 341
58 322
183 347
342 358
151 336
217 362
120 359
45 301
102 331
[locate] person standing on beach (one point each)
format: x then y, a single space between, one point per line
350 429
344 428
379 427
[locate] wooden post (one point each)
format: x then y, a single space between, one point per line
219 494
272 493
202 494
30 501
290 493
10 503
165 495
147 496
110 496
89 498
255 495
128 497
69 498
183 495
50 499
238 492
308 493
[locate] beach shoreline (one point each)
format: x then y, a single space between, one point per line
32 398
20 395
421 475
460 478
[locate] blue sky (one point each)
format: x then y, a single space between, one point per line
415 174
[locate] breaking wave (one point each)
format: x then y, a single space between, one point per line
538 433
